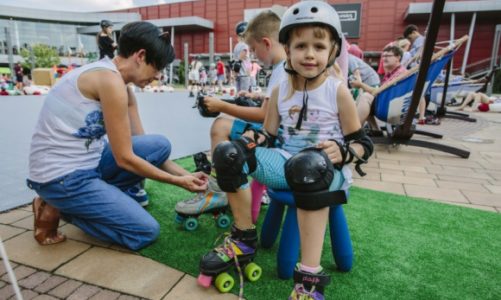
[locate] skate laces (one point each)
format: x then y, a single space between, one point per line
228 248
301 293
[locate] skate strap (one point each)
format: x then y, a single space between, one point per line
309 280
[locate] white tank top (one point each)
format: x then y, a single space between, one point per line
322 116
70 129
322 122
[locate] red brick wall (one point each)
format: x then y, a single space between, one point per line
382 22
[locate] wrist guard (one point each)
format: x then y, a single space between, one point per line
348 154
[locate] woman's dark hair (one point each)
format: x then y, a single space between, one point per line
143 35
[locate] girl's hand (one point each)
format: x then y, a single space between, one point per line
213 104
332 150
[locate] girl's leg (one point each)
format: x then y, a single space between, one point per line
312 226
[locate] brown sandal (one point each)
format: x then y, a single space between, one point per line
45 232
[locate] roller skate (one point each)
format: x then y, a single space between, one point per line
212 201
237 251
308 286
188 211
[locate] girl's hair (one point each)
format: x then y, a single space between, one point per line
319 31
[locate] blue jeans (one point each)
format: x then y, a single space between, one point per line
94 201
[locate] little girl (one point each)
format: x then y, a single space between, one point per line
321 135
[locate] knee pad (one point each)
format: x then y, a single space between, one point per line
309 174
229 159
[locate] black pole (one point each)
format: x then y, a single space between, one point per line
404 131
441 110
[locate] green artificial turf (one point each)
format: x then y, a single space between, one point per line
405 248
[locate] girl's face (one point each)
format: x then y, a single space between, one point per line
109 30
309 50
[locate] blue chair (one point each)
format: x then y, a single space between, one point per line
288 250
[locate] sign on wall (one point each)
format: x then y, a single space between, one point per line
350 18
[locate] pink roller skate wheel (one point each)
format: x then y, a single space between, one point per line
204 280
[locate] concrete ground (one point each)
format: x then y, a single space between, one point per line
84 268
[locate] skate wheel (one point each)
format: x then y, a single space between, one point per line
191 224
253 272
223 221
204 280
178 219
224 282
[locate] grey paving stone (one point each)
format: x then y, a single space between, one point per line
34 280
85 291
44 297
128 297
65 289
105 295
27 295
50 283
6 292
20 272
13 265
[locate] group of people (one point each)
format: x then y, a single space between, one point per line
87 164
200 77
397 57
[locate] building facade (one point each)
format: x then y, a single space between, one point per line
380 21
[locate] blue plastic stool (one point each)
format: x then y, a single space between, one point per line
288 250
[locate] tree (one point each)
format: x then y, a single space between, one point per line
43 55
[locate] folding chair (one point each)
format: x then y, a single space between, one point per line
396 101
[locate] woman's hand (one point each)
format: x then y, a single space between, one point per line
332 150
195 182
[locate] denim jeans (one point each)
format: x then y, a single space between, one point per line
94 201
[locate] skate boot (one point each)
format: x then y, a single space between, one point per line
237 250
308 286
202 163
215 203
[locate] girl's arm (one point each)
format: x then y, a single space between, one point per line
272 119
350 123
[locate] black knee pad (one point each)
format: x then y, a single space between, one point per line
229 159
309 174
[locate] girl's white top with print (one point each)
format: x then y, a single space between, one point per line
70 129
322 121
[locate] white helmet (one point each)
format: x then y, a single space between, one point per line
310 12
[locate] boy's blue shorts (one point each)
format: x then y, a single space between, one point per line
239 126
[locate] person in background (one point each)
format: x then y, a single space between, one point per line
355 50
411 33
18 70
405 45
105 40
242 63
255 68
221 73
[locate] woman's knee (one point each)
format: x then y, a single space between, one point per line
146 234
153 147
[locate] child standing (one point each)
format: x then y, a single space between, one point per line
321 136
